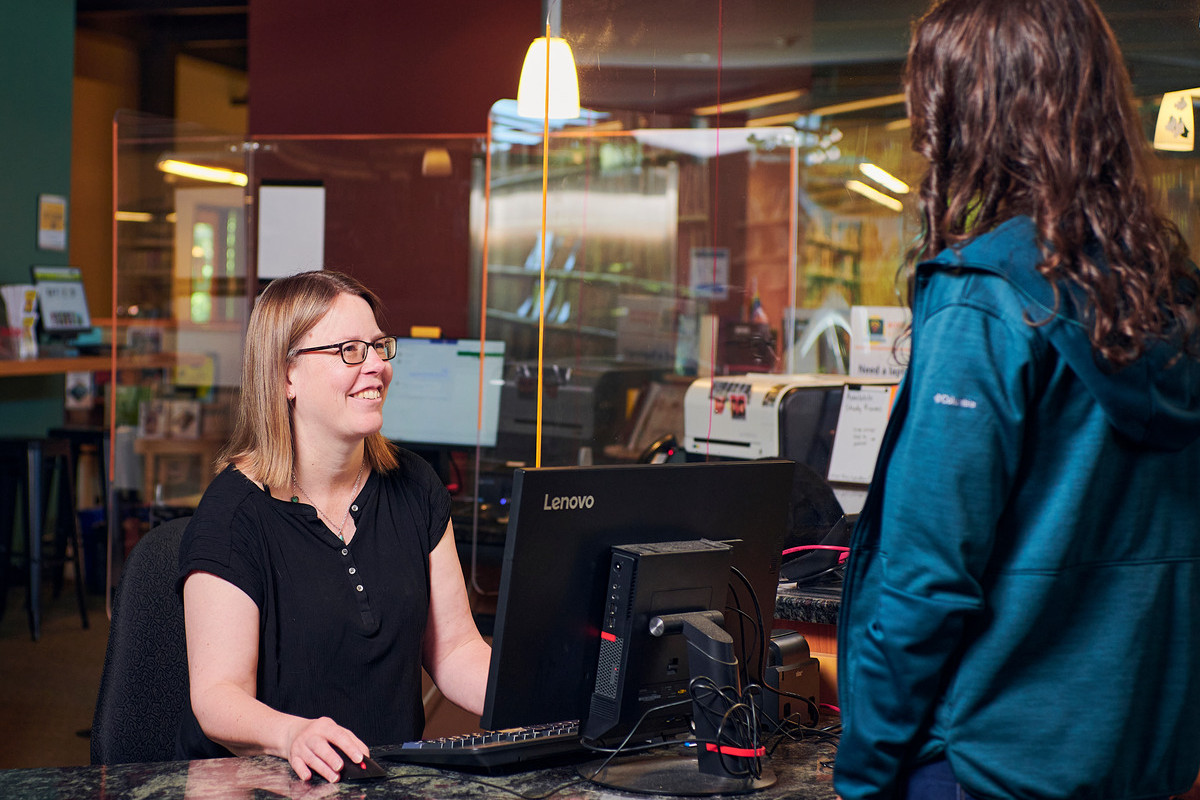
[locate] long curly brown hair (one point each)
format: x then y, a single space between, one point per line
1026 107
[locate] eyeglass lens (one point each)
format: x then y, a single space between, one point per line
356 352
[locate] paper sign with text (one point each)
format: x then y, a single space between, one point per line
861 423
874 331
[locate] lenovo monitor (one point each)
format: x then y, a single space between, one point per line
563 525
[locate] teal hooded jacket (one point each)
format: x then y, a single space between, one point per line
1023 591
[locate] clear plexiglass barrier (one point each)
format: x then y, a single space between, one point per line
557 304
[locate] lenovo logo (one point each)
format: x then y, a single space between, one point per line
568 502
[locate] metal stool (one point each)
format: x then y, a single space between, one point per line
85 439
27 464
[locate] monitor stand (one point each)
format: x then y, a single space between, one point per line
670 773
684 772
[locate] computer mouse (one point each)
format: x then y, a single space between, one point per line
364 770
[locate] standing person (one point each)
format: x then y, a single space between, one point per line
319 573
1021 613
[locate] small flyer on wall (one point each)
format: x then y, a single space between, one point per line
52 222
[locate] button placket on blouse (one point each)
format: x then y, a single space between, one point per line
352 570
363 599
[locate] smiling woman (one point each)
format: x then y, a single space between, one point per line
319 572
337 402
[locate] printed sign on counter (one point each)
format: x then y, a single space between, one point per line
861 423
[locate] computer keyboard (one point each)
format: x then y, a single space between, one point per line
511 748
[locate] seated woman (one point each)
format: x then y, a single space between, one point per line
319 573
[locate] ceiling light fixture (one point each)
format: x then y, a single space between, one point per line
549 69
186 169
871 193
751 102
133 216
858 105
435 163
1175 129
774 119
884 178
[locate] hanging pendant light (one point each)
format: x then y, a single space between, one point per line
548 56
1176 126
435 163
549 89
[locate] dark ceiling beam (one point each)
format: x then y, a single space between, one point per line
158 7
156 61
214 31
179 27
200 29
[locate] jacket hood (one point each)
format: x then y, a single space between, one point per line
1154 401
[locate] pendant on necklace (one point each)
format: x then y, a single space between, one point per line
295 499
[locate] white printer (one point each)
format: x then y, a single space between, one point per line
772 416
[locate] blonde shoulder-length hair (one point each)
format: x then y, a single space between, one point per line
261 445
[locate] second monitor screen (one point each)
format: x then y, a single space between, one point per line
435 393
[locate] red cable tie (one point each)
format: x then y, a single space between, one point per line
736 751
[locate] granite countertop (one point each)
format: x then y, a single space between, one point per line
819 603
802 770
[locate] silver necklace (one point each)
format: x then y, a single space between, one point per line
353 494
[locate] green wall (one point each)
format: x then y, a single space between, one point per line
37 55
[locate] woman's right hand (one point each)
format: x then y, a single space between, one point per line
221 623
310 748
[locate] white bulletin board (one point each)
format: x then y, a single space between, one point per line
291 229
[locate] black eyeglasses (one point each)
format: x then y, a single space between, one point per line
354 351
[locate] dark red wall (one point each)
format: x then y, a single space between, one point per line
391 67
384 66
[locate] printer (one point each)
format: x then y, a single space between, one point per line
585 406
797 417
767 416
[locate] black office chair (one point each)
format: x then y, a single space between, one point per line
144 686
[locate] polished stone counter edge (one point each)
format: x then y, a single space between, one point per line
819 606
801 767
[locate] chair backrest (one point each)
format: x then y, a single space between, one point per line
144 686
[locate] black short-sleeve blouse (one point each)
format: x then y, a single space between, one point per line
340 625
